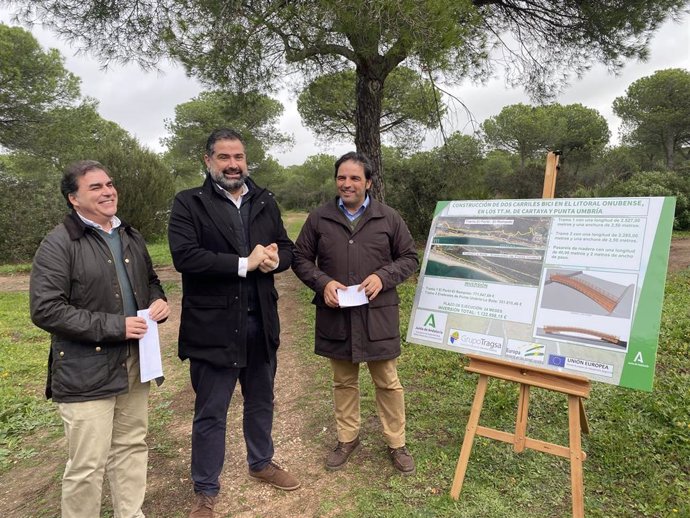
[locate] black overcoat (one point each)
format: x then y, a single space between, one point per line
214 297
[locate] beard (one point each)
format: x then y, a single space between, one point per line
226 183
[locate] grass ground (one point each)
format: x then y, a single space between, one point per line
638 451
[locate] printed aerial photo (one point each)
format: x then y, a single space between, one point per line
505 250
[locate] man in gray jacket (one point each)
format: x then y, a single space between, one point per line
90 275
355 240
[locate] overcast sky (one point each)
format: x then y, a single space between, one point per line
141 101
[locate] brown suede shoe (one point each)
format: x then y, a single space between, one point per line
203 506
338 457
276 476
402 460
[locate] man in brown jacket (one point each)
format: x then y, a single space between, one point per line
357 242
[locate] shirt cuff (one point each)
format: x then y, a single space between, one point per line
242 266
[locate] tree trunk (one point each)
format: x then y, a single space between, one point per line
368 124
669 151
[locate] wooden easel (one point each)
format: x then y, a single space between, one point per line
576 387
550 174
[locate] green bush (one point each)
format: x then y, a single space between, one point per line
657 183
29 209
414 185
145 187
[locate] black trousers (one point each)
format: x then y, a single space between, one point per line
214 388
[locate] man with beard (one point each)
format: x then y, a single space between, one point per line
228 240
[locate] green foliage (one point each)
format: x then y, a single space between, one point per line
615 163
32 83
657 183
67 134
656 113
499 167
71 134
29 207
519 129
45 130
267 173
450 172
251 46
328 106
579 132
144 185
306 186
255 116
529 132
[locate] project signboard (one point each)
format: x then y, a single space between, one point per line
573 285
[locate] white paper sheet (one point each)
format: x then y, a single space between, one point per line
150 363
351 297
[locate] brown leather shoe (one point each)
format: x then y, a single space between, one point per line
276 476
203 506
402 460
338 457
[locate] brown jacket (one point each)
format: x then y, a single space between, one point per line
327 249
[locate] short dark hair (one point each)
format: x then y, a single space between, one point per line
221 134
70 179
360 158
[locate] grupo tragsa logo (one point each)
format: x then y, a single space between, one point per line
475 341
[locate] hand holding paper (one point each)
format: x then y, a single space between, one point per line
371 286
150 363
330 293
352 296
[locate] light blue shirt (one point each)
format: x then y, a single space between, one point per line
353 216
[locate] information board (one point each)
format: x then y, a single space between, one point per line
573 285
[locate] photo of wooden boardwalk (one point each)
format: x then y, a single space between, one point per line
589 292
570 331
605 299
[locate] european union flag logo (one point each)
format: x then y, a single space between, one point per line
556 361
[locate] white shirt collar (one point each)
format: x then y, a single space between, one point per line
230 197
114 223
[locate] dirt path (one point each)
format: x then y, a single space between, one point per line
302 431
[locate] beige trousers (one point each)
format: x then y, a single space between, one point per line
390 400
107 435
